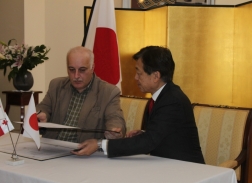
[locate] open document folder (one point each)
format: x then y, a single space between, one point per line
54 125
25 147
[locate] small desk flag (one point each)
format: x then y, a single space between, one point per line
102 40
5 123
30 125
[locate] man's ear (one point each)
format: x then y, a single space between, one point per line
156 75
93 66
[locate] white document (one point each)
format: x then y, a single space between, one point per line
53 125
50 125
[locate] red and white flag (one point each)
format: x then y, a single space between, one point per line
2 115
30 125
102 40
5 123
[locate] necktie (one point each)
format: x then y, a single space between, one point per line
151 105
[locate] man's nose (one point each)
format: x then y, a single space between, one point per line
76 74
136 77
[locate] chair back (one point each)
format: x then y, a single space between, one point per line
133 111
225 134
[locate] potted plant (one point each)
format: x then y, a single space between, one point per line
20 59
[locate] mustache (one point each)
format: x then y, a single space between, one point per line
77 79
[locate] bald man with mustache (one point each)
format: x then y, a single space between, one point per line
81 100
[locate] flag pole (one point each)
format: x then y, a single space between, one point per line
14 153
20 131
14 160
86 28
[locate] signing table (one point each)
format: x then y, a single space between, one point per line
98 168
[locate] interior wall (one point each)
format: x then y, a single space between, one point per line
12 27
34 34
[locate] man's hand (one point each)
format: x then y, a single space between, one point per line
134 133
87 148
117 134
42 117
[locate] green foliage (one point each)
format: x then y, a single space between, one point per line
21 58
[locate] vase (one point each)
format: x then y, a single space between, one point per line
23 82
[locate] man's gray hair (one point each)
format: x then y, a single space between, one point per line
83 50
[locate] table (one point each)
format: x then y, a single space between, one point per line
98 168
20 98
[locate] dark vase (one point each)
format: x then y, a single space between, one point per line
23 82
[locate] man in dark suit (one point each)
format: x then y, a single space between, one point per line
170 129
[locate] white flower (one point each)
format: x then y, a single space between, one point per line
35 54
25 54
8 57
6 49
12 49
17 64
2 57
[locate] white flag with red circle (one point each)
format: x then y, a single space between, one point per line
30 125
102 40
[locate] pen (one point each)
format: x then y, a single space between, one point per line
38 113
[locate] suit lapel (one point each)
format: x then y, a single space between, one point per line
159 98
89 103
165 89
64 98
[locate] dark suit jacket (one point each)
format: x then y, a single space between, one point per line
171 131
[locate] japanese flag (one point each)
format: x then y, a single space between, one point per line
30 125
102 40
5 123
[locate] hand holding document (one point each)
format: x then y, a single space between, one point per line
41 116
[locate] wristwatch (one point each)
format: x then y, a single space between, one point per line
99 143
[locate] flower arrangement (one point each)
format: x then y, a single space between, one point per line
21 58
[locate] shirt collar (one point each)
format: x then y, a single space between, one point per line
156 94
